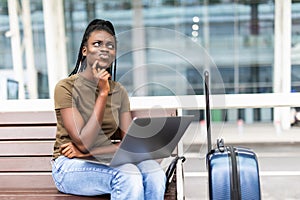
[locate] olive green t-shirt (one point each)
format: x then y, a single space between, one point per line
77 91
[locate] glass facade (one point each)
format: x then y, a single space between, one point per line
163 44
295 46
238 36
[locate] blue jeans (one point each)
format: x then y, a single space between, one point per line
145 180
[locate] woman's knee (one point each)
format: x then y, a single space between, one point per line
129 182
156 179
152 171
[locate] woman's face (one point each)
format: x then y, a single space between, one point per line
101 46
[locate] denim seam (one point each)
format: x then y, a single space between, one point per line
58 183
117 188
83 169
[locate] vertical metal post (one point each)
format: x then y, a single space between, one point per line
139 58
16 45
282 58
236 36
206 31
236 49
179 167
286 59
27 39
55 42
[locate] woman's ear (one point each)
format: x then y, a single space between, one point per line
83 50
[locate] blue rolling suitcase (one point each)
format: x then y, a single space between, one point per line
233 172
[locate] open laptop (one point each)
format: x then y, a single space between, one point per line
147 138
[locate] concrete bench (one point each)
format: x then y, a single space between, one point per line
26 144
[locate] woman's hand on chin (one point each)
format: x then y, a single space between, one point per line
102 76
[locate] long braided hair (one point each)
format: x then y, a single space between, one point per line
96 24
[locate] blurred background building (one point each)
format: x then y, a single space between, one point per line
254 45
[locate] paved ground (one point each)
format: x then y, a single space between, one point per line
277 151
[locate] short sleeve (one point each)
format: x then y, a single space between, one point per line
125 105
62 95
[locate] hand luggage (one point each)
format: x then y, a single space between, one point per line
233 172
170 172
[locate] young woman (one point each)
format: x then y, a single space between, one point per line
91 107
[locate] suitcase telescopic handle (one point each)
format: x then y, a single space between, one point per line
207 110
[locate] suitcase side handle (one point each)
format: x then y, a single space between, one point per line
220 144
